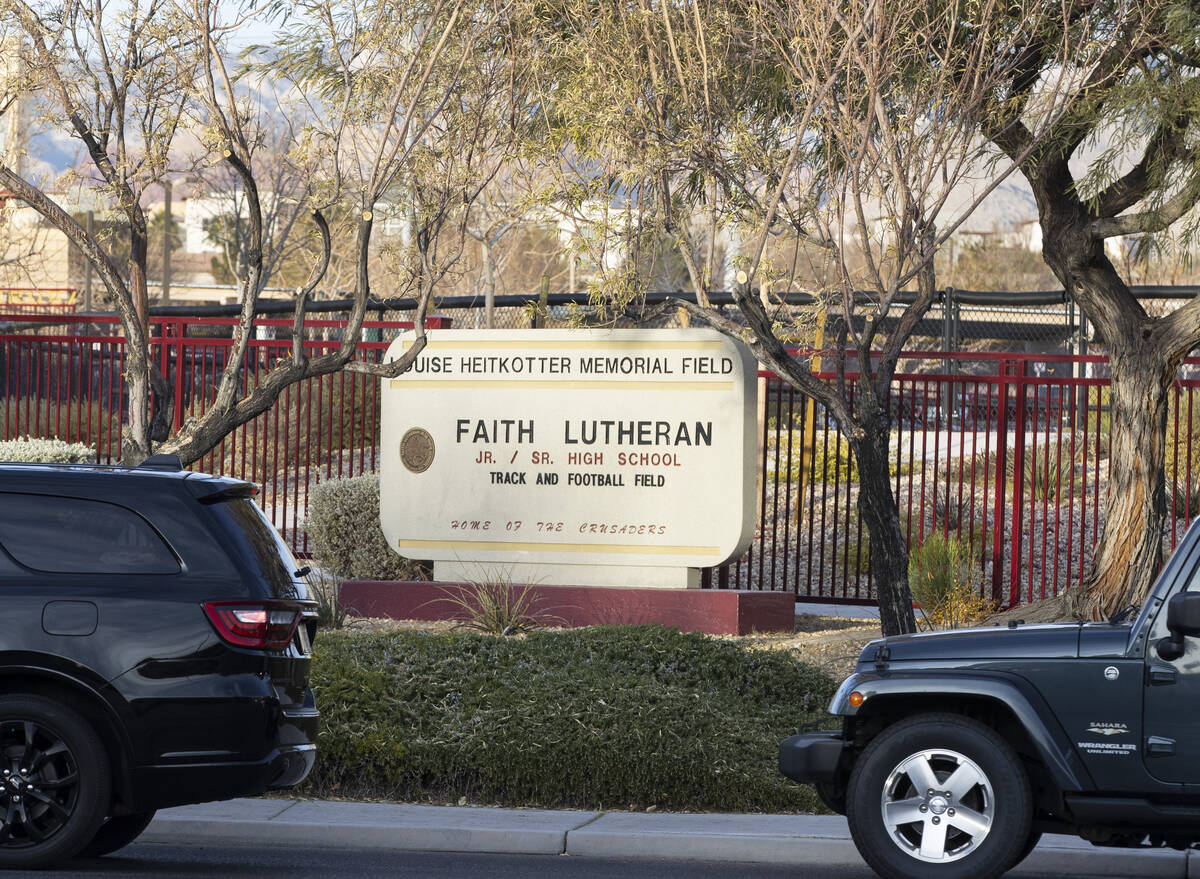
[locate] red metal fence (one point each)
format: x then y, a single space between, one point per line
1012 459
65 381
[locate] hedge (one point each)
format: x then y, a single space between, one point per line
622 717
347 541
35 450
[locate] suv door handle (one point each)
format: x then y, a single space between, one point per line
1161 675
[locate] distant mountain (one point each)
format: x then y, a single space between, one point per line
50 152
1004 207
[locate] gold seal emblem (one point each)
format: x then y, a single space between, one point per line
416 450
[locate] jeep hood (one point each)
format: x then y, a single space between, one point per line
1056 641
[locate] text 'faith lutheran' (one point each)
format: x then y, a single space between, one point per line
589 433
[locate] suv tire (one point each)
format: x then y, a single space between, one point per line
117 832
939 795
55 782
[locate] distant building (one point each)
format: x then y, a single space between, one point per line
12 123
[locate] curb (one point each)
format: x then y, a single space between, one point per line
776 839
369 826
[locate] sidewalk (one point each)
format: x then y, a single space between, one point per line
783 839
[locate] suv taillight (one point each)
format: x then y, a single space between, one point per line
264 625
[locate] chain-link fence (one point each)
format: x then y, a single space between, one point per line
1037 321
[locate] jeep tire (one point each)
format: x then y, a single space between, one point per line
939 796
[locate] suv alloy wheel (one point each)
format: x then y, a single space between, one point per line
54 781
939 795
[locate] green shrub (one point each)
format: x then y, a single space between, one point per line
603 717
45 451
343 525
832 461
1050 471
944 574
1183 501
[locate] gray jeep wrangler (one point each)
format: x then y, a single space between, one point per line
958 750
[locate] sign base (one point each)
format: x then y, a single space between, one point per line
566 575
715 611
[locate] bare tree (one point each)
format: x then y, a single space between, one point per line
284 178
847 126
499 211
108 76
417 110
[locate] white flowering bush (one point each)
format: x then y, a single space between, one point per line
45 451
343 525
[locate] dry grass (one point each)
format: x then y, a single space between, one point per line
830 643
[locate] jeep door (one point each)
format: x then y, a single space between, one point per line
1171 720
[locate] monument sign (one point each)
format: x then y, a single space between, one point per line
576 457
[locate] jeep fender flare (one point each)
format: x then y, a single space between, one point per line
1008 692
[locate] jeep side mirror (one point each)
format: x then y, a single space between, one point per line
1183 619
1183 613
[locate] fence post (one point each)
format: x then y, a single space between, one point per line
543 308
180 351
1018 497
1002 383
1071 341
947 389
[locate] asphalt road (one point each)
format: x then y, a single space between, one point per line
147 860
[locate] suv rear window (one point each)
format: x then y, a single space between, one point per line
257 545
65 535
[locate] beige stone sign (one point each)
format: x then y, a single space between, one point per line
581 457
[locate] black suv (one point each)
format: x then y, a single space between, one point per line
958 750
154 651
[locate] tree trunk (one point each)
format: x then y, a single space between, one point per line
1129 552
877 507
138 445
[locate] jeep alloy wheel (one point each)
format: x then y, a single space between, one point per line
939 795
938 806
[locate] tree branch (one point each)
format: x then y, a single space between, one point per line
771 352
1164 147
1155 219
302 298
77 235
